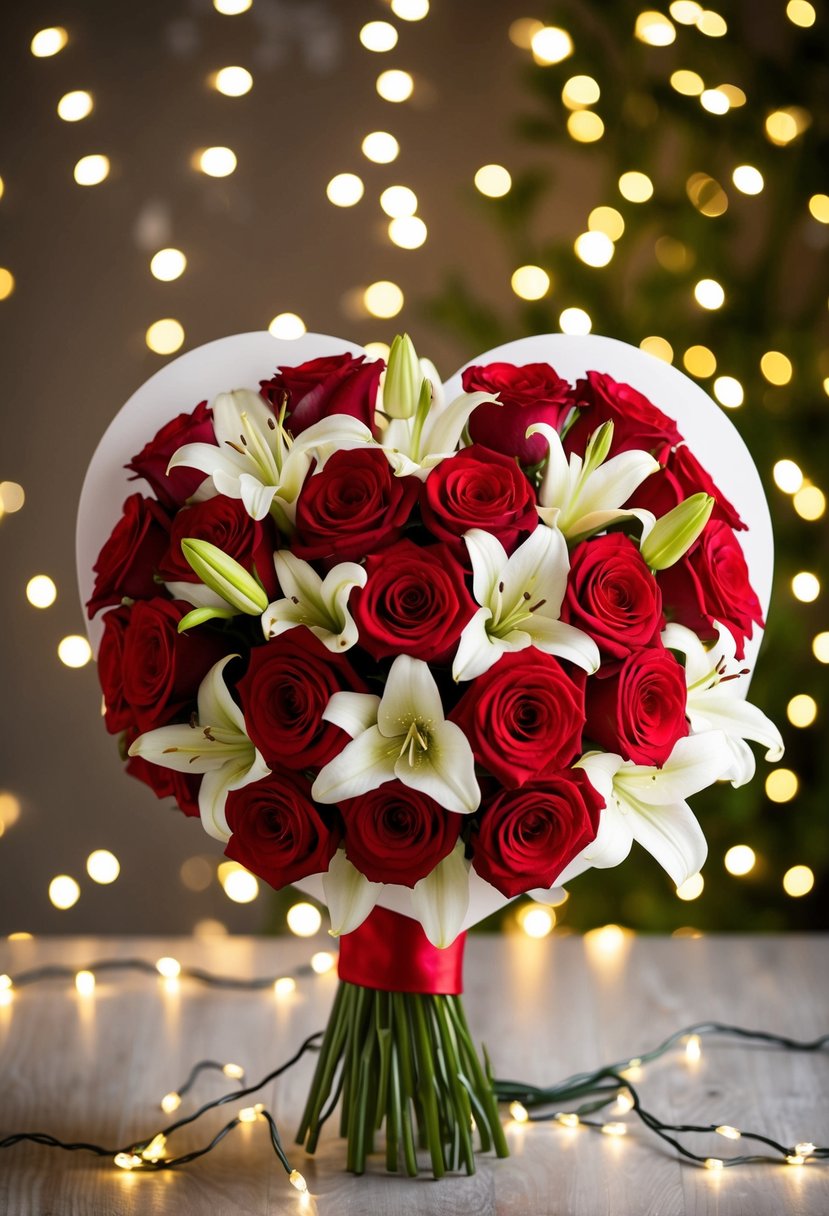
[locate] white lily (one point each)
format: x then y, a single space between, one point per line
441 899
321 604
714 678
348 893
581 496
520 598
404 735
648 805
215 745
417 444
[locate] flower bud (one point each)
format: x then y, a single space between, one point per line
225 576
673 534
598 447
401 387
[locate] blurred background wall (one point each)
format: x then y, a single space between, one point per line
657 176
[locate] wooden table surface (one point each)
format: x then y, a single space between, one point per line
95 1068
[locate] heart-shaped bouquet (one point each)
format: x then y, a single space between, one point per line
421 649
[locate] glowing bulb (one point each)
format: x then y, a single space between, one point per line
493 180
6 283
165 337
167 264
805 1148
568 1118
740 859
380 147
248 1114
378 36
747 179
322 962
518 1112
624 1101
585 127
85 983
689 84
691 888
48 42
798 881
284 986
383 299
74 651
217 161
103 866
41 592
398 201
241 886
776 367
706 194
594 248
580 91
614 1129
234 1071
155 1149
655 29
607 220
295 1178
810 503
550 45
168 967
787 476
711 24
64 892
700 361
575 321
304 919
781 785
801 13
794 1159
91 170
537 920
394 85
233 81
636 187
729 1132
231 8
288 326
127 1161
806 587
693 1048
660 348
713 1163
5 983
729 392
170 1102
530 282
344 190
74 106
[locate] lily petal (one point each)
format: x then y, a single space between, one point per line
441 899
443 428
353 712
672 835
410 691
717 709
216 706
488 557
348 893
215 787
447 771
565 641
363 764
477 651
696 762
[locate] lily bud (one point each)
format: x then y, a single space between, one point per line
673 534
225 576
401 387
598 447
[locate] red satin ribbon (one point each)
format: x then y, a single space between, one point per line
391 952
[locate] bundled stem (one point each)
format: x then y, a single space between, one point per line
406 1059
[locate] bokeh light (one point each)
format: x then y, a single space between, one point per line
217 161
594 248
345 189
288 326
551 45
410 10
304 919
781 785
239 885
801 12
395 85
692 888
12 497
407 231
787 476
530 282
74 651
64 892
747 179
584 126
660 348
819 208
493 180
536 920
102 866
322 962
776 367
380 147
709 294
636 187
580 91
9 809
6 283
740 860
91 170
383 299
729 392
165 337
48 42
810 503
41 591
806 587
231 8
688 83
575 321
654 29
398 201
379 36
801 710
607 220
233 81
700 361
798 881
167 265
74 106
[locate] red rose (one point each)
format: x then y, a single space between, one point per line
529 394
397 834
352 507
288 684
637 423
711 583
223 522
638 712
334 384
183 788
478 488
127 562
174 488
162 669
415 602
524 717
278 832
681 476
117 713
527 837
612 595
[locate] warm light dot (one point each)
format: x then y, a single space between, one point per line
686 12
493 180
304 919
660 348
395 85
233 81
240 886
234 1071
798 881
5 983
712 24
231 8
168 967
713 1163
208 927
550 45
103 866
167 264
345 189
247 1114
585 127
700 361
85 983
781 785
729 1132
9 809
672 255
408 231
518 1112
410 10
12 497
733 94
787 476
820 647
398 201
383 299
709 294
740 859
6 283
806 587
377 350
2 187
284 986
706 194
729 392
530 282
295 1178
575 321
605 941
795 1159
91 170
126 1161
19 937
805 1148
568 1118
802 710
614 1129
747 179
580 91
776 367
523 30
782 127
41 592
607 220
64 892
380 147
74 106
690 84
819 207
378 36
74 651
170 1102
594 248
288 326
48 42
810 503
636 187
801 13
691 888
714 101
693 1048
655 29
536 920
322 962
216 162
164 337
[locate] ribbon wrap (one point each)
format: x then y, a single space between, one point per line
391 952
